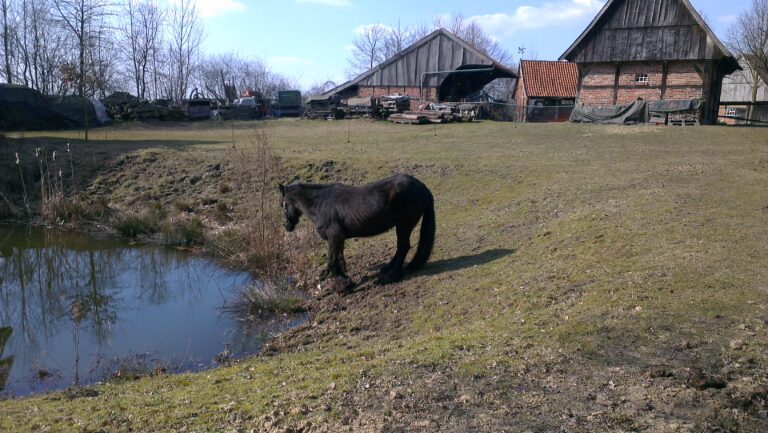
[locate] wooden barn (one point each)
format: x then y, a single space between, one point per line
745 96
439 67
546 91
655 50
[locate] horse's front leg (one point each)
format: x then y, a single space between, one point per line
337 266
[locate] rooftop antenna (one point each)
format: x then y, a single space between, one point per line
521 51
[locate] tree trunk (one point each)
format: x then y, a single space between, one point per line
81 78
7 44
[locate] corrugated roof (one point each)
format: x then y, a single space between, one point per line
544 79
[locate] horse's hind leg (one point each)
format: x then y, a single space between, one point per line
386 268
394 270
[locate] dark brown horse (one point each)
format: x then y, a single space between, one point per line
340 212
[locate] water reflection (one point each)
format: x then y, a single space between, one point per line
5 363
80 306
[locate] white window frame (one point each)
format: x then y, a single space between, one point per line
642 79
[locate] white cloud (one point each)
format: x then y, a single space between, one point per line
727 19
549 14
335 3
212 8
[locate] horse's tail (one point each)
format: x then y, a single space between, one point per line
426 236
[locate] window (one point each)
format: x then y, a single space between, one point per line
641 78
730 112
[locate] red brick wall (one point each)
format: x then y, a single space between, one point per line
684 82
521 100
721 112
596 97
598 81
630 89
629 73
598 75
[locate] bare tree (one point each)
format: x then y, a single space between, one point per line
186 36
397 39
473 34
5 9
84 19
103 62
229 69
139 34
368 48
318 89
749 39
39 47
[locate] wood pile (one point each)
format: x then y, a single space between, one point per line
323 109
658 118
379 107
394 104
363 107
411 118
124 106
689 118
433 113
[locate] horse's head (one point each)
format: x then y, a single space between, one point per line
291 212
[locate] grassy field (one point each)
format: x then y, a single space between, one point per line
584 278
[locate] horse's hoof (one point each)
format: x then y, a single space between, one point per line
341 285
326 274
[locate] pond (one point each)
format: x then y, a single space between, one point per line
79 310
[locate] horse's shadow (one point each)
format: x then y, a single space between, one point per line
462 262
440 266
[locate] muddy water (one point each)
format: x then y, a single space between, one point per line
74 309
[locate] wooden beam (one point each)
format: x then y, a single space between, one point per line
665 72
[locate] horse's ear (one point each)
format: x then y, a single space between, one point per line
282 189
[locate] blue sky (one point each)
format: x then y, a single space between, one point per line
310 40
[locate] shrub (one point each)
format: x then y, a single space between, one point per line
184 232
145 223
263 298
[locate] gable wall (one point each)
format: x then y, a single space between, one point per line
521 99
438 54
644 30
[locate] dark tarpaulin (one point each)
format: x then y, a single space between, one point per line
632 114
674 105
22 108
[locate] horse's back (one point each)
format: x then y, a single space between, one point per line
376 207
